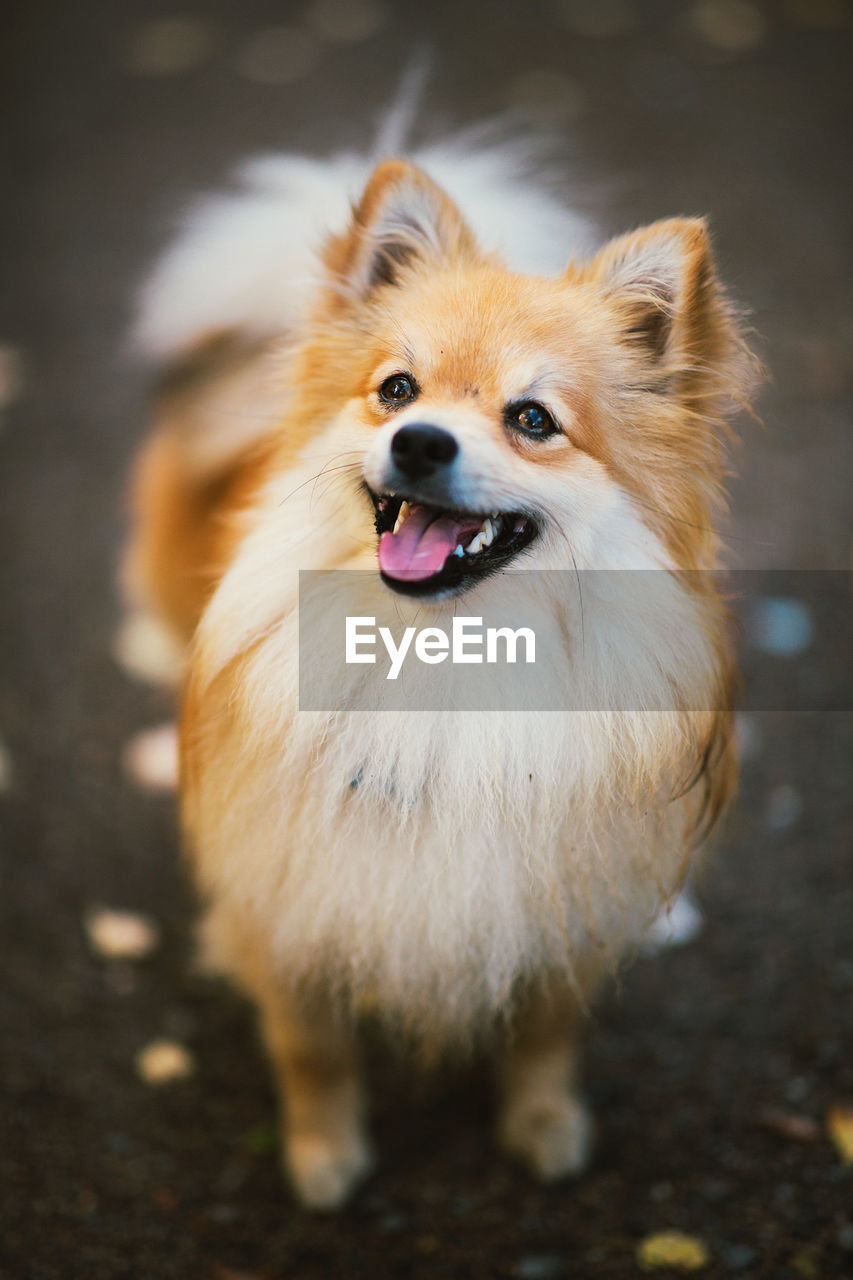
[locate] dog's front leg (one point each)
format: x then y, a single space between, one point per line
542 1119
312 1047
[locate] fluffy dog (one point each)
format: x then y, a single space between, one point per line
417 386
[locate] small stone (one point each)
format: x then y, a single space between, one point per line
163 1061
789 1124
121 935
146 651
673 1250
150 758
839 1125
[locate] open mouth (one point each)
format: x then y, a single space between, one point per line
425 549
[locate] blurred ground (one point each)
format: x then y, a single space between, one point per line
738 110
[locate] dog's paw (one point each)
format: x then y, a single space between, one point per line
324 1169
552 1136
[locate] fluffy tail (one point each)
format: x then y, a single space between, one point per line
235 285
246 261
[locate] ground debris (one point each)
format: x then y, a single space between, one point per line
839 1124
150 758
672 1250
120 935
163 1061
789 1124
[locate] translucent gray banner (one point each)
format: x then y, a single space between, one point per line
589 641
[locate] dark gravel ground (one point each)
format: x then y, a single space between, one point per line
102 1176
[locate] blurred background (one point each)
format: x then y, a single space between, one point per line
721 1073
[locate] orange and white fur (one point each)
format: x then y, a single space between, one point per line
490 867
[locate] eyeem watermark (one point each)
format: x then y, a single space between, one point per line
557 641
469 642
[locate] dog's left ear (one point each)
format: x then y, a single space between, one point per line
662 279
403 221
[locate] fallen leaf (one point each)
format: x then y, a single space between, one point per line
790 1124
121 935
163 1061
839 1124
672 1249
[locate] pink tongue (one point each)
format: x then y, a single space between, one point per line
421 545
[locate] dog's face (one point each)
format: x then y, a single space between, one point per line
509 420
478 432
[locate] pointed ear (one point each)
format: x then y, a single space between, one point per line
663 279
402 221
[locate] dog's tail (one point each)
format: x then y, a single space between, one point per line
247 261
217 312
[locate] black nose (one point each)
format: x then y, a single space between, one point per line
419 450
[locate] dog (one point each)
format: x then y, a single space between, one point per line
415 370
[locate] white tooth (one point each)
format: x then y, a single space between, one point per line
459 550
476 544
404 511
488 532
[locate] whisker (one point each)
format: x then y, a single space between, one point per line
580 598
567 541
325 469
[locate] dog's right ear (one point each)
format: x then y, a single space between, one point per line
403 222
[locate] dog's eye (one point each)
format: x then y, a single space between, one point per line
398 389
532 419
